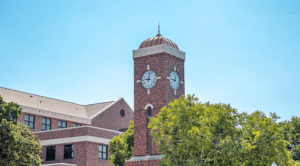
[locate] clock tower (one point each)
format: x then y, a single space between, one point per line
158 80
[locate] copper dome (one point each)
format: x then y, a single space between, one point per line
157 40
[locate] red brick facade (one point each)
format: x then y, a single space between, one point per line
104 125
111 119
38 122
160 95
143 163
85 154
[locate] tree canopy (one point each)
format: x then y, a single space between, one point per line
189 132
292 135
121 147
18 146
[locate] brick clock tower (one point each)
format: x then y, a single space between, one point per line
158 80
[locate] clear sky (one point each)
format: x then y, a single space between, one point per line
245 53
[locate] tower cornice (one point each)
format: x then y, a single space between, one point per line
158 49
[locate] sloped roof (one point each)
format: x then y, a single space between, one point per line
58 107
93 109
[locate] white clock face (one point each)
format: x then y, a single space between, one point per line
174 80
149 79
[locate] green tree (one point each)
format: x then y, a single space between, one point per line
18 146
192 133
292 135
121 147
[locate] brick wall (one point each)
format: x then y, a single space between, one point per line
143 163
76 131
111 118
85 154
38 122
161 94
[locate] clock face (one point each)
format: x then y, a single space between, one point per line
174 80
149 79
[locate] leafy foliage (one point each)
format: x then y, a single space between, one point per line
121 147
292 134
192 133
17 144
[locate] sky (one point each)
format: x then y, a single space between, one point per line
245 53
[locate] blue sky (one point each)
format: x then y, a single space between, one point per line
245 53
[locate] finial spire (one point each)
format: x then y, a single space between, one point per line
158 28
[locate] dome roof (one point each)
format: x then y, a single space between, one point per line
157 40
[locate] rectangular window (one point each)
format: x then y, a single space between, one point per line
69 151
46 124
62 124
50 154
102 152
12 117
76 125
29 121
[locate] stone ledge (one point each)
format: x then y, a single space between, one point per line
59 164
148 157
158 49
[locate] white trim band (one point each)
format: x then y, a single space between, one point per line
149 105
148 157
67 164
75 139
158 49
115 131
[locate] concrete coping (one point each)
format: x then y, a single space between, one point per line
148 157
46 131
158 49
67 164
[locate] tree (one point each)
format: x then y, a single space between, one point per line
121 147
192 133
292 135
17 144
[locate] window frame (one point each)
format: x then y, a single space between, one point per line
29 120
149 112
69 151
60 126
53 148
12 117
102 152
76 125
46 120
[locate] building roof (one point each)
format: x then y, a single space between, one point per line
157 40
56 107
93 109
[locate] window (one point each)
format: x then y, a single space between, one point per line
46 124
62 124
123 129
50 154
149 112
122 113
12 117
102 152
76 125
29 121
69 151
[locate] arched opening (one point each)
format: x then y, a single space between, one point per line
149 112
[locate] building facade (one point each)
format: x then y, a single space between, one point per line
74 134
158 80
71 134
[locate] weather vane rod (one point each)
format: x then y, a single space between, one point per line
158 28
